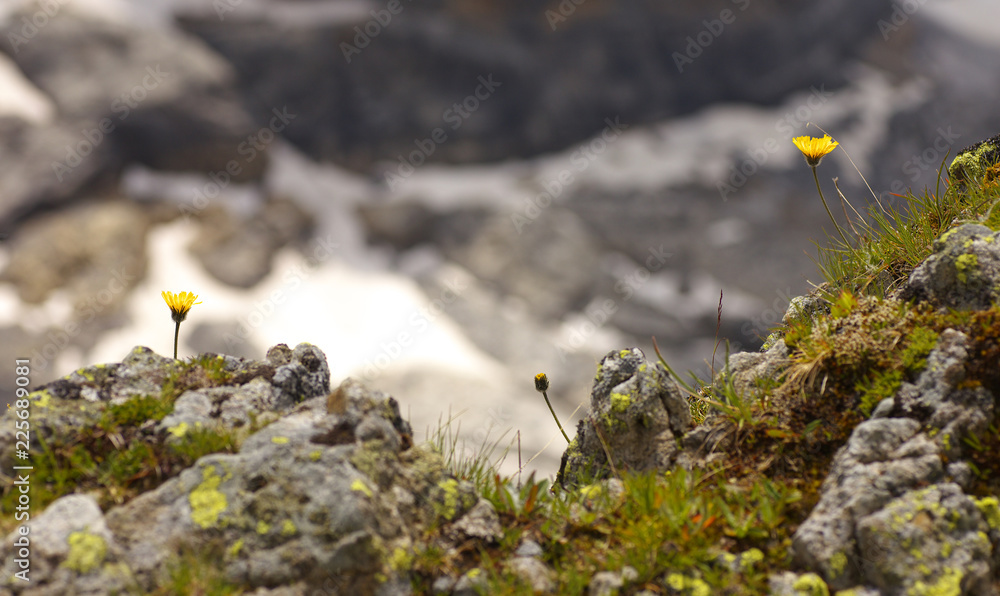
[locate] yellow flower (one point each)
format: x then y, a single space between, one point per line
179 304
815 149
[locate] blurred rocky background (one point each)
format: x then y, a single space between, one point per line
449 197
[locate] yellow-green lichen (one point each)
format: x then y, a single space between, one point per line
838 562
591 491
86 552
751 557
970 165
450 506
964 265
206 500
234 550
359 486
315 455
810 584
263 527
288 528
620 402
279 440
401 559
989 507
178 430
690 586
41 398
949 584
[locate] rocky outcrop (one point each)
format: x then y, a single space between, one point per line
962 273
637 414
326 492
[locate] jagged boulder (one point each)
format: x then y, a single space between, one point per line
963 272
326 491
853 535
637 413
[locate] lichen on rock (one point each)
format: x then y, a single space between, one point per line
637 414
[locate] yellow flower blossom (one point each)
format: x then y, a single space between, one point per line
815 149
179 304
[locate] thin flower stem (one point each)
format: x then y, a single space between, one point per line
177 331
825 206
554 417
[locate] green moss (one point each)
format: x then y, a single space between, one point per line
206 500
86 552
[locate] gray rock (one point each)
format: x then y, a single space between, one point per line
306 375
481 522
746 369
443 585
537 574
29 183
330 507
882 460
557 80
962 273
95 252
788 583
166 99
879 472
71 552
636 413
607 583
239 251
472 583
935 397
548 264
528 548
930 537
